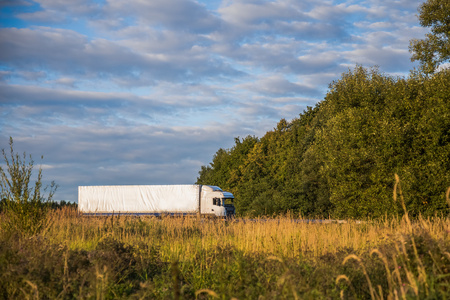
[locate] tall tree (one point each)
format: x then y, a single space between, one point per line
435 48
377 125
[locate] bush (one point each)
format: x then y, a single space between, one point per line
24 208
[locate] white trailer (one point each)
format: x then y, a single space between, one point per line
155 200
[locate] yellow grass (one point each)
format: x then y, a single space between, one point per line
183 238
395 245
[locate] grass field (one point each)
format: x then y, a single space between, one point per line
186 258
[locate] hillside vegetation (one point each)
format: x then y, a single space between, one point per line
339 158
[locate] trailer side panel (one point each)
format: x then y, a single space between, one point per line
138 199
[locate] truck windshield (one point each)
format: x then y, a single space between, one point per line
227 201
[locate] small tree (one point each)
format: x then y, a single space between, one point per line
435 48
24 207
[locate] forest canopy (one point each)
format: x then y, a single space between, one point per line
339 158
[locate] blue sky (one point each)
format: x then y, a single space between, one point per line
145 92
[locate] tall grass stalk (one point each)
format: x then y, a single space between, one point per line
409 275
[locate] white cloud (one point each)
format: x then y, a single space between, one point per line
63 81
182 15
277 86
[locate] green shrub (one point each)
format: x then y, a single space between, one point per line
25 209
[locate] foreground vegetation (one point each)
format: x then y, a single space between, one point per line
185 258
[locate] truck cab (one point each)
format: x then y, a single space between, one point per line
217 202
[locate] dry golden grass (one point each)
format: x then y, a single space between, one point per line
394 258
181 238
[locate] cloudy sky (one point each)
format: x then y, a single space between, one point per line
146 91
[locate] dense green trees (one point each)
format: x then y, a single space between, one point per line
340 157
377 126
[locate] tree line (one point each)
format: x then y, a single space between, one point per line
51 205
339 158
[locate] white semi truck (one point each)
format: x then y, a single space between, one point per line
205 200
